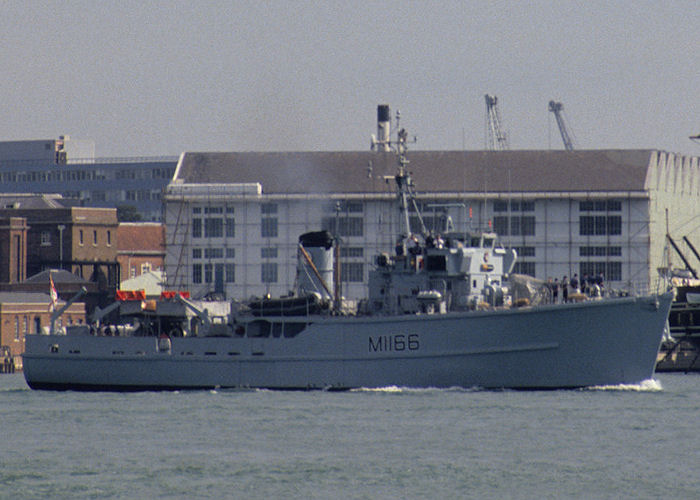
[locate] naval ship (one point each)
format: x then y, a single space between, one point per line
442 310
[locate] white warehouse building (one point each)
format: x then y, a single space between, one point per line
233 219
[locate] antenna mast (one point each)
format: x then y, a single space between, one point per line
404 182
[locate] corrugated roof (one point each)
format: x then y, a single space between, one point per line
433 171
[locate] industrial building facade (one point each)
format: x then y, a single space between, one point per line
70 168
233 219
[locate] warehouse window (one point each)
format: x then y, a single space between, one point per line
343 226
524 268
268 208
352 272
612 271
230 227
196 228
196 273
230 273
268 272
268 253
213 228
600 225
268 228
213 253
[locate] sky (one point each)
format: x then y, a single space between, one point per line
150 78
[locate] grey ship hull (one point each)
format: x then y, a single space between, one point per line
592 343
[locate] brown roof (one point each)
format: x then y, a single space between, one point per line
433 171
141 236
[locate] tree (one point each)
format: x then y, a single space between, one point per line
128 213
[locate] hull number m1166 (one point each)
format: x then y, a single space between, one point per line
394 343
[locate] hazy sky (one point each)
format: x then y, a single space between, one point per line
152 78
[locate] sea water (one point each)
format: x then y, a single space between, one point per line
612 442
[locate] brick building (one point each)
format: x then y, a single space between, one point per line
13 249
141 248
28 312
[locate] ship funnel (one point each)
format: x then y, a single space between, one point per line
315 264
381 142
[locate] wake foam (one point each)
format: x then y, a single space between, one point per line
648 385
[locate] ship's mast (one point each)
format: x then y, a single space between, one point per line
404 182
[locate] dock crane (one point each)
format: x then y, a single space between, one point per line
496 136
557 108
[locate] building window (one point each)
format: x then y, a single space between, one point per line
351 252
196 253
600 225
213 253
600 251
612 271
80 237
352 272
268 208
435 221
196 273
343 226
268 253
268 227
208 273
520 225
614 224
37 324
196 228
525 251
94 238
600 206
348 207
219 277
500 206
524 268
213 228
16 328
515 206
109 238
500 225
230 227
268 272
145 267
45 238
230 253
230 273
